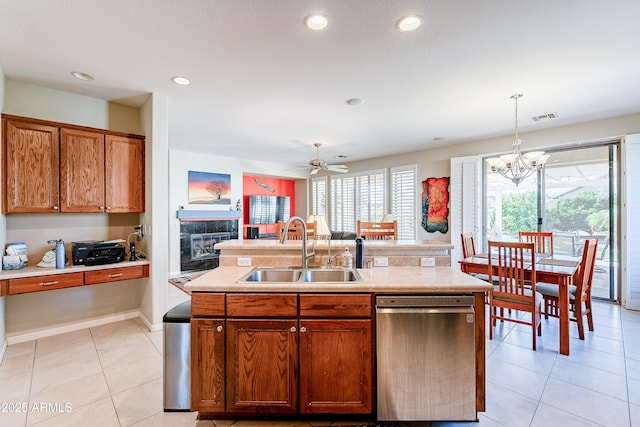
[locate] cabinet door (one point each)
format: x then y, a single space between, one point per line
124 174
336 367
81 171
30 172
262 360
207 365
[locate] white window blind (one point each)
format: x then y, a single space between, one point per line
319 196
356 196
404 199
464 202
630 226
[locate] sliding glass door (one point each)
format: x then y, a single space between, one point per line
575 196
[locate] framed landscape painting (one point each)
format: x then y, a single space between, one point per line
209 188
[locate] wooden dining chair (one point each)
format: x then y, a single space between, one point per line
295 230
542 239
514 285
468 245
579 292
377 230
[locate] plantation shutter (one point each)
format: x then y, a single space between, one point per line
630 224
403 200
465 204
356 196
319 196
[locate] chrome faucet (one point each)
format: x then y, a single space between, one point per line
283 238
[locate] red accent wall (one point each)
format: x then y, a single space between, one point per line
282 187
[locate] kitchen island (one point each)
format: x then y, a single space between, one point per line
304 349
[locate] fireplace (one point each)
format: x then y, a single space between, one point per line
198 239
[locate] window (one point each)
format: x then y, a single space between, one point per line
319 196
356 197
403 200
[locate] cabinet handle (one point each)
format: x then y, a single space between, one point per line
303 329
293 329
219 329
55 208
116 275
107 208
55 282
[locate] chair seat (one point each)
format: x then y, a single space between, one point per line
527 292
551 290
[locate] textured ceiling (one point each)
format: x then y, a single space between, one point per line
265 86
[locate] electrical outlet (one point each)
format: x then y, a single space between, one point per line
427 262
142 230
381 261
244 262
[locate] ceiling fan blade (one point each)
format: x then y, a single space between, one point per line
337 166
313 171
340 170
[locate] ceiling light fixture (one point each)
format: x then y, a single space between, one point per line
409 23
181 81
517 166
82 76
316 22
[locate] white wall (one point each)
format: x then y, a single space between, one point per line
43 310
181 162
435 162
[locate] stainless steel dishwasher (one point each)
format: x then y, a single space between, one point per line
426 369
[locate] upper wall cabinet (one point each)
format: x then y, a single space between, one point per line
54 167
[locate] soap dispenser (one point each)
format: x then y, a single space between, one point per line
347 259
61 258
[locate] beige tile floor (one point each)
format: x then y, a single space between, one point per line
111 375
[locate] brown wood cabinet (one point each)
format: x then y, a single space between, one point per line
207 365
30 167
285 354
56 167
262 361
38 283
336 360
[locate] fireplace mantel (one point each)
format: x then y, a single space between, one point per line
207 215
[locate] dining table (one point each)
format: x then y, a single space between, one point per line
549 269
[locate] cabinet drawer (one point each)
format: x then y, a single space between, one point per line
262 305
113 275
335 305
44 283
205 304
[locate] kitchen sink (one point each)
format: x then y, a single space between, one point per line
272 275
301 275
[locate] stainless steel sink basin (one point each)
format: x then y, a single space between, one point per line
301 275
331 276
272 275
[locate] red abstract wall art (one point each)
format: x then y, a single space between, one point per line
435 201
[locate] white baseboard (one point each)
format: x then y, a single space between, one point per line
149 325
43 333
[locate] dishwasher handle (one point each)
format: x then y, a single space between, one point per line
424 310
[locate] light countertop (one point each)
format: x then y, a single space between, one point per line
382 280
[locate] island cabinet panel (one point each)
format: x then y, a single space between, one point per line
81 171
205 304
336 366
207 365
30 172
262 305
336 305
262 366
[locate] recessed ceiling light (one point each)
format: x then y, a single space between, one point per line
354 101
409 22
181 81
316 22
82 76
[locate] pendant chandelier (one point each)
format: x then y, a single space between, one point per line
517 166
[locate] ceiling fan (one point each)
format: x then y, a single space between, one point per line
318 164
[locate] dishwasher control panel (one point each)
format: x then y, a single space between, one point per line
425 301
